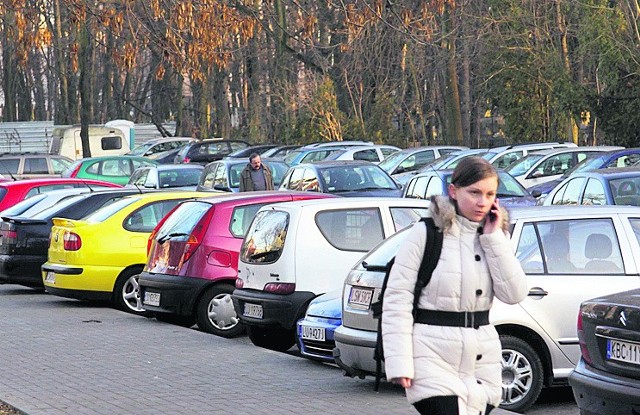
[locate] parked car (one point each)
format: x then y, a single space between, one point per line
224 175
569 254
114 169
621 158
166 176
606 380
343 178
372 153
41 201
310 155
446 161
503 156
244 153
435 182
99 257
339 143
206 151
279 152
314 332
193 260
25 239
613 186
17 191
413 158
545 165
26 165
296 251
159 145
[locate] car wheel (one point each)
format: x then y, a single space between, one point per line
216 314
522 374
175 319
126 293
272 338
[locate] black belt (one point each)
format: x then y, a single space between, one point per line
468 319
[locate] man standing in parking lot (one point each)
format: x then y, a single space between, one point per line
255 176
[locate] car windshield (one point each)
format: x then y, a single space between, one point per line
141 149
278 170
109 210
523 165
489 155
390 162
290 158
179 177
509 187
348 178
590 163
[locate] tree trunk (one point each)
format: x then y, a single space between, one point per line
84 62
451 93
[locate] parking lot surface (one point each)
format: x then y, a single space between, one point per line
61 356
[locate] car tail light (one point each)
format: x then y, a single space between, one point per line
72 241
280 287
583 344
75 171
197 236
8 233
186 160
239 283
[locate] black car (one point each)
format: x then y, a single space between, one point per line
206 151
607 377
24 241
246 152
343 178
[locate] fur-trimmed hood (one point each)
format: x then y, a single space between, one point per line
443 212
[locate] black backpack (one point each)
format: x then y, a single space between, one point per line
432 250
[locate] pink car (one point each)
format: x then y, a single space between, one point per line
193 259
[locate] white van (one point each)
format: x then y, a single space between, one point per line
103 141
296 251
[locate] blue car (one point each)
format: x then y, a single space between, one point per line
315 330
619 158
435 182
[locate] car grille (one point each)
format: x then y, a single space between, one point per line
319 348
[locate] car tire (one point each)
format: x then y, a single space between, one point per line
522 374
272 338
126 293
215 312
176 320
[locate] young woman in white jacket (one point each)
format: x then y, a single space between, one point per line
449 359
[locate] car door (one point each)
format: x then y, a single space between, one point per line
594 259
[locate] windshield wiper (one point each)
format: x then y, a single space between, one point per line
507 195
263 254
165 238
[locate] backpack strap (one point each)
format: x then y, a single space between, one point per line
430 258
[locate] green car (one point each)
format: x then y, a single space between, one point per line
114 169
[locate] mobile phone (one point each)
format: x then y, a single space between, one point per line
492 214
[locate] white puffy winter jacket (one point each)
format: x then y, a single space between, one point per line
473 267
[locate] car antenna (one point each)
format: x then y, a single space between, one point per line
138 187
10 174
91 189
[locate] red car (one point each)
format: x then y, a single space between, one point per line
13 192
193 259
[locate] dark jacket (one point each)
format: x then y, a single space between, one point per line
246 184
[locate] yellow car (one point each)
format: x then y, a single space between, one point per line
99 257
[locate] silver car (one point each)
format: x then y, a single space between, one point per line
569 253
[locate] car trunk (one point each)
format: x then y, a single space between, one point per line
21 236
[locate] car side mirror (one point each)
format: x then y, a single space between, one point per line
537 174
400 170
536 193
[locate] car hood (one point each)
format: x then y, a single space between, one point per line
327 305
403 178
545 187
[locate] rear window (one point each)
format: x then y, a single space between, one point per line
21 207
265 239
183 219
106 212
351 229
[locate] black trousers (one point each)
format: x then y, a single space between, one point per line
441 405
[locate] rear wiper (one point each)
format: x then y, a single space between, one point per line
263 254
165 238
372 267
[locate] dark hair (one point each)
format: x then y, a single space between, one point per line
471 170
252 156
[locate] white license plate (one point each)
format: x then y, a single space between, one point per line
253 310
152 299
50 277
313 333
623 351
360 297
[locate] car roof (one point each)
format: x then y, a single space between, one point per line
54 180
576 211
346 202
611 172
171 194
163 167
552 151
323 164
527 146
411 150
120 157
266 196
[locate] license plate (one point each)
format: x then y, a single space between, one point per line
360 297
623 351
253 310
50 277
152 299
313 333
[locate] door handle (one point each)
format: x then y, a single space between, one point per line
274 275
537 292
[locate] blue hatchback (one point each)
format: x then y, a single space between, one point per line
315 330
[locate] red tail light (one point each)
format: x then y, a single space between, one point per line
75 171
239 283
279 287
197 236
9 235
583 345
186 160
72 241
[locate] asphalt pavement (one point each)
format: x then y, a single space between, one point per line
60 356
